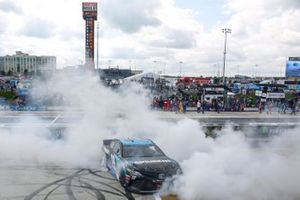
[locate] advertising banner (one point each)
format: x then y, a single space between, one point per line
275 95
293 69
89 7
258 93
89 10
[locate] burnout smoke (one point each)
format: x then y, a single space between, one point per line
227 167
233 169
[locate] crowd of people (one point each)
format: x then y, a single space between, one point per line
177 105
282 106
7 86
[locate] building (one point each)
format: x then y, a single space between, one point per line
25 63
89 11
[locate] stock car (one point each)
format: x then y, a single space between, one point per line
139 164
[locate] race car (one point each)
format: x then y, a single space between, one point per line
139 164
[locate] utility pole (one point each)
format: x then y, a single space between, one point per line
225 31
180 68
154 66
255 71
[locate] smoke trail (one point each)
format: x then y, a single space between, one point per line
234 170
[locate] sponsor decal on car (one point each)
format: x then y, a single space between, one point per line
152 161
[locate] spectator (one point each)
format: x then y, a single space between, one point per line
269 103
293 106
180 107
198 106
184 104
203 106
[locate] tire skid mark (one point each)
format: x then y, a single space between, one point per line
98 193
103 177
49 193
127 194
69 190
87 190
83 182
35 193
107 185
102 190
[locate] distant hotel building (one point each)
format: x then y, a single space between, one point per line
22 62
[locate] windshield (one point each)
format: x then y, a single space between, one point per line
141 151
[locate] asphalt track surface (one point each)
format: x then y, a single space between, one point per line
57 118
58 183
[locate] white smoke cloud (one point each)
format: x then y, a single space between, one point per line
233 169
228 167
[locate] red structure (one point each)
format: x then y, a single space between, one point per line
196 80
89 10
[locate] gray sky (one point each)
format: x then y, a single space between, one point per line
264 33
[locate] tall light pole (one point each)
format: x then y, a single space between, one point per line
225 31
129 64
216 68
238 69
255 71
180 67
161 65
154 66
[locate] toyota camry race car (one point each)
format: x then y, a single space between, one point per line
139 164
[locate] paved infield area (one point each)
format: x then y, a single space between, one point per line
58 183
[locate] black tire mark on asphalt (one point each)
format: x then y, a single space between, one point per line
98 193
82 186
102 190
107 185
127 194
69 190
68 184
49 193
33 194
103 177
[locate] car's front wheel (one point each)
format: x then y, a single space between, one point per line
122 177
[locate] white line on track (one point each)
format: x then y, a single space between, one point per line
56 118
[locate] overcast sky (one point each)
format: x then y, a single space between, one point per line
264 33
